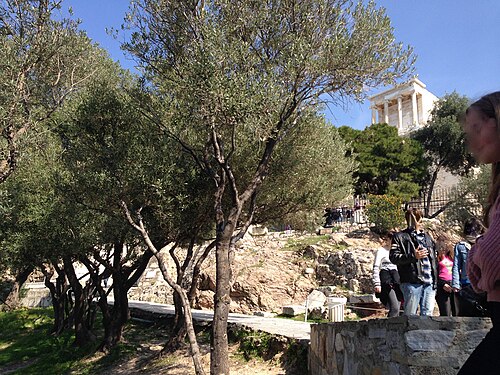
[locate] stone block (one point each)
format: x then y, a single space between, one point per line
264 314
293 310
424 322
327 290
429 340
257 230
363 298
377 332
471 339
432 360
36 298
339 342
315 299
322 231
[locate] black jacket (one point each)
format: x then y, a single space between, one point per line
402 254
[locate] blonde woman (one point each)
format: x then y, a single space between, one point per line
482 129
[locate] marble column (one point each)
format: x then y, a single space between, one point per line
386 112
374 115
414 109
400 114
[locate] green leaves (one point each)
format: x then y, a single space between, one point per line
43 60
443 138
385 212
388 163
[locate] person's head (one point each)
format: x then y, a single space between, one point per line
413 218
473 228
444 246
386 238
482 129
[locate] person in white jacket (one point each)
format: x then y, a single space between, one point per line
386 279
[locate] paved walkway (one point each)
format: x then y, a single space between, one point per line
277 326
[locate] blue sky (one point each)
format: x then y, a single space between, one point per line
456 42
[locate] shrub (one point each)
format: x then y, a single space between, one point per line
385 212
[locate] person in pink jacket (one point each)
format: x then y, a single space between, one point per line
482 129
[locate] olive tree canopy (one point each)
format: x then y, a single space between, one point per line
43 59
234 76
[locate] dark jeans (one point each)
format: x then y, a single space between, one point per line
390 295
445 301
393 304
485 359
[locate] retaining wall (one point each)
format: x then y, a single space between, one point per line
395 346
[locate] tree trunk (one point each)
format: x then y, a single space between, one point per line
120 314
195 350
429 193
58 295
179 331
12 300
83 334
219 354
115 317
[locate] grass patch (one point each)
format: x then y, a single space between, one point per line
297 244
28 348
262 346
253 344
300 318
27 344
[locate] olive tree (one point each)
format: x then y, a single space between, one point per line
43 59
231 72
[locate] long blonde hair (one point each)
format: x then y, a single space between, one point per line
445 242
489 106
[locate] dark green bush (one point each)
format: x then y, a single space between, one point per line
385 212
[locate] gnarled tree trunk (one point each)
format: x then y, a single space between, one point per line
12 300
83 334
58 293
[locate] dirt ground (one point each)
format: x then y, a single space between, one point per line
180 363
144 344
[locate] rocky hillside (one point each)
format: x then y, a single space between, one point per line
276 269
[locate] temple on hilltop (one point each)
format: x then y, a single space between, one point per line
405 106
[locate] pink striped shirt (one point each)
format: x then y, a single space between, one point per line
483 263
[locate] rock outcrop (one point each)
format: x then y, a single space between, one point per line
275 269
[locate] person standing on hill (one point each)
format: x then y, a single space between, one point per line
386 279
460 281
445 297
482 130
414 253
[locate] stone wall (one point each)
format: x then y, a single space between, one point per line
35 295
396 346
352 269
